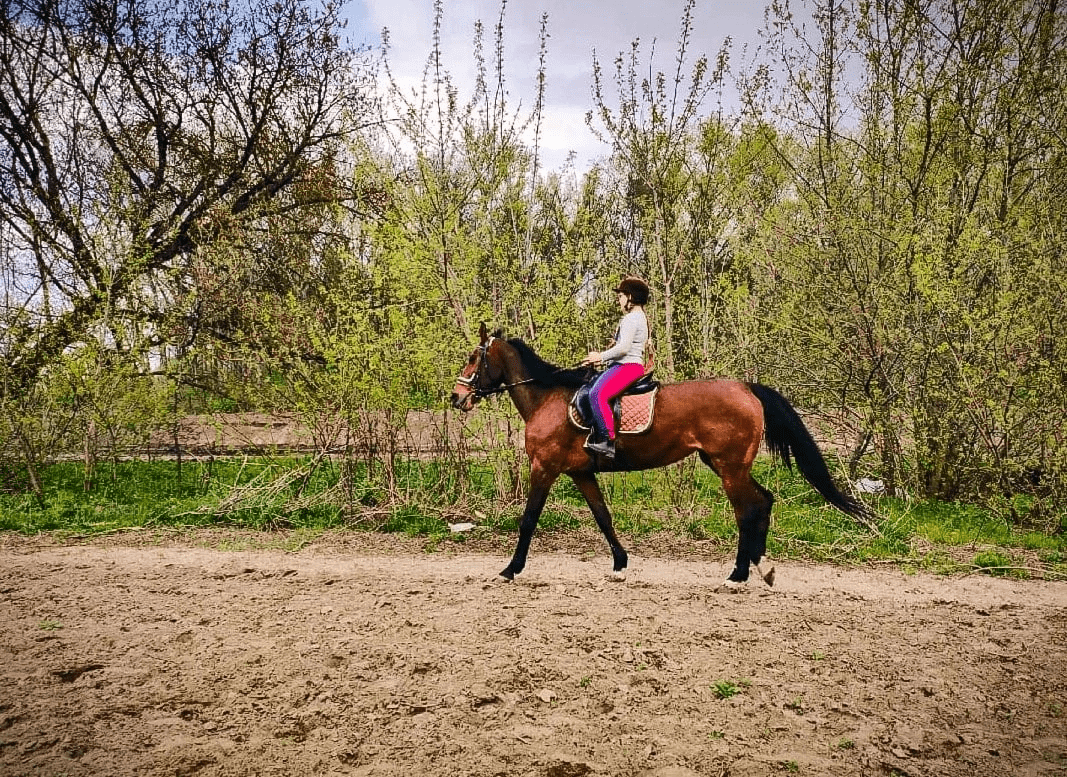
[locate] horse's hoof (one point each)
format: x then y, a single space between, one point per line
506 576
733 586
618 576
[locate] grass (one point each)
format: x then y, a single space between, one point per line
422 498
137 494
725 689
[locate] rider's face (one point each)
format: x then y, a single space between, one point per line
624 301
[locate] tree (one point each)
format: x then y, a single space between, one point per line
665 158
140 136
461 211
928 208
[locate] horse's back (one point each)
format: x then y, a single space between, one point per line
711 415
719 395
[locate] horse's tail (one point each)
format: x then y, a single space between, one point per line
786 435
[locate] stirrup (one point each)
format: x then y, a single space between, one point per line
605 448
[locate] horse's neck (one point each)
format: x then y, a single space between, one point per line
527 397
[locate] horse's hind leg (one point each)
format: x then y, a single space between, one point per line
752 511
590 489
760 524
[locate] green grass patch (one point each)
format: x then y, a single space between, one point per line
420 498
999 564
725 689
412 521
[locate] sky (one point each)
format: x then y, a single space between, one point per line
576 29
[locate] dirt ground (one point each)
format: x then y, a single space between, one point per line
367 655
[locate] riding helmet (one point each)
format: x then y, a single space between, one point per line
635 288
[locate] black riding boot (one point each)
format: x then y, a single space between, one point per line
598 442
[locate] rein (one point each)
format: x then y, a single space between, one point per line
481 393
478 391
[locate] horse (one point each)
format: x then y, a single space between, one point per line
722 421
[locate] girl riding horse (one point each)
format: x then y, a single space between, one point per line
627 364
722 421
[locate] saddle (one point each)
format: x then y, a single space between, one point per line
633 408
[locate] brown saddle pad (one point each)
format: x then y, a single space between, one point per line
634 416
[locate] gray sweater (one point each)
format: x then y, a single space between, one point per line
630 340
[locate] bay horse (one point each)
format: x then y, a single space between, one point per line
722 421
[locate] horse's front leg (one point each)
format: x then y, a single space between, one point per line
590 489
540 483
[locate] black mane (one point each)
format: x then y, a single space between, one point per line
546 373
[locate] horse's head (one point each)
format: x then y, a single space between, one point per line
481 375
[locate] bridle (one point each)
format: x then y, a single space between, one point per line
473 382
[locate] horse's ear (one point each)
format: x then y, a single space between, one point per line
483 333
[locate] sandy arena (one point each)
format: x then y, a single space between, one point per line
367 655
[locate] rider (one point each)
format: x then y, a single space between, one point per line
625 358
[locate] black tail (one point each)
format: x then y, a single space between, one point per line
786 434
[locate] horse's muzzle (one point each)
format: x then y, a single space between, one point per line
463 401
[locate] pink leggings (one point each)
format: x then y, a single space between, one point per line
615 380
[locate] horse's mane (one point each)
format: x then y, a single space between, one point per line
546 373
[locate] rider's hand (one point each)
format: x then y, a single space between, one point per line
592 358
